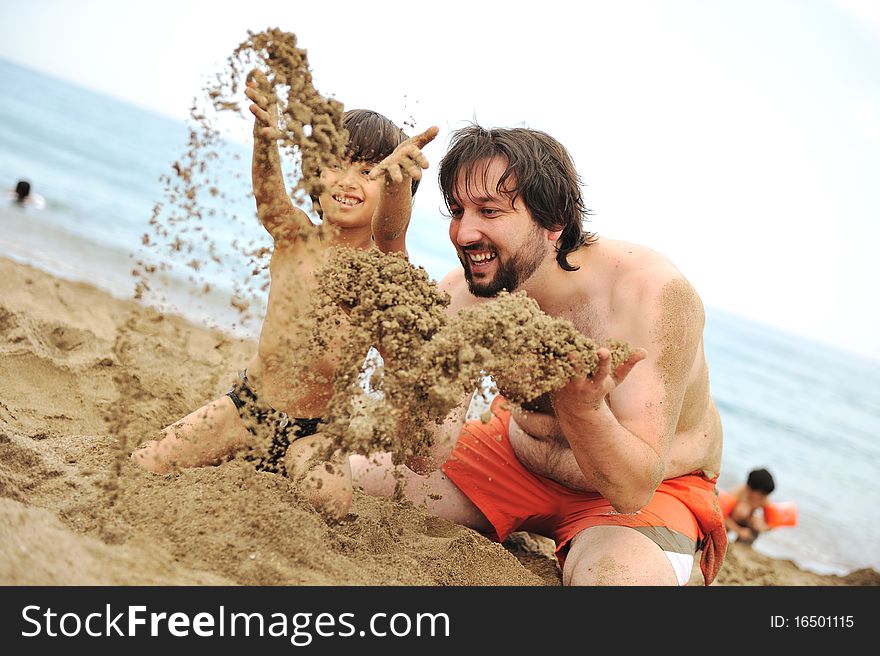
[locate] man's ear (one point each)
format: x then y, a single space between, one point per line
553 235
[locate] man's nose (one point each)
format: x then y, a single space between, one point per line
469 229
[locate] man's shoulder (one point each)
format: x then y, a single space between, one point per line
455 284
636 265
644 278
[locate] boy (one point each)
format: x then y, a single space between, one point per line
739 506
282 394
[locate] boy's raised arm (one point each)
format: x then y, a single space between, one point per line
398 171
274 206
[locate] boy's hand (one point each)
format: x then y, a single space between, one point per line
274 207
746 535
407 160
264 107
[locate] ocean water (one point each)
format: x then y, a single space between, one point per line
808 413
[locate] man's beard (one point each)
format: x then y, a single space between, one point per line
509 275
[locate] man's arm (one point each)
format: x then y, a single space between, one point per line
620 423
398 170
274 207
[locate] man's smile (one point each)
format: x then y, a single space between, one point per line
482 257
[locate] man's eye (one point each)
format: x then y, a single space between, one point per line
366 171
490 212
456 212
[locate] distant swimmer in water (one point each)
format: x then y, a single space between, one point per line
24 197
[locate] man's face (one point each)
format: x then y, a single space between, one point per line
350 197
499 244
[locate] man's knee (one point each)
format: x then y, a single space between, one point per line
616 555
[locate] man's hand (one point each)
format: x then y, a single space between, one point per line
407 160
264 107
587 392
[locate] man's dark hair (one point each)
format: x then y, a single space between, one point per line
543 176
22 190
371 138
760 480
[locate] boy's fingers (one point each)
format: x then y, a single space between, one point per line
261 114
271 133
394 173
258 77
257 97
420 159
411 169
426 137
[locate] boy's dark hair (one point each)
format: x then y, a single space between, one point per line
543 172
371 138
760 480
22 190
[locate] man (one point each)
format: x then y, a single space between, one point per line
618 468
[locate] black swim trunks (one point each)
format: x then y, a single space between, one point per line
261 419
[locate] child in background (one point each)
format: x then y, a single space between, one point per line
739 506
282 394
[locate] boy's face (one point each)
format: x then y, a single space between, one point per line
350 196
755 498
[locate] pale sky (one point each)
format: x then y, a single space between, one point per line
740 138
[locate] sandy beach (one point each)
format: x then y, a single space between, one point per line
75 511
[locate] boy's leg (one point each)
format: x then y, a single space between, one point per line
444 439
204 437
378 476
616 555
326 483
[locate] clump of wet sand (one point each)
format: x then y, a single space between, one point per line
432 361
385 302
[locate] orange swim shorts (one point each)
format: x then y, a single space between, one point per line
682 517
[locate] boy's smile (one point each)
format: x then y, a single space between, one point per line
347 199
350 196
